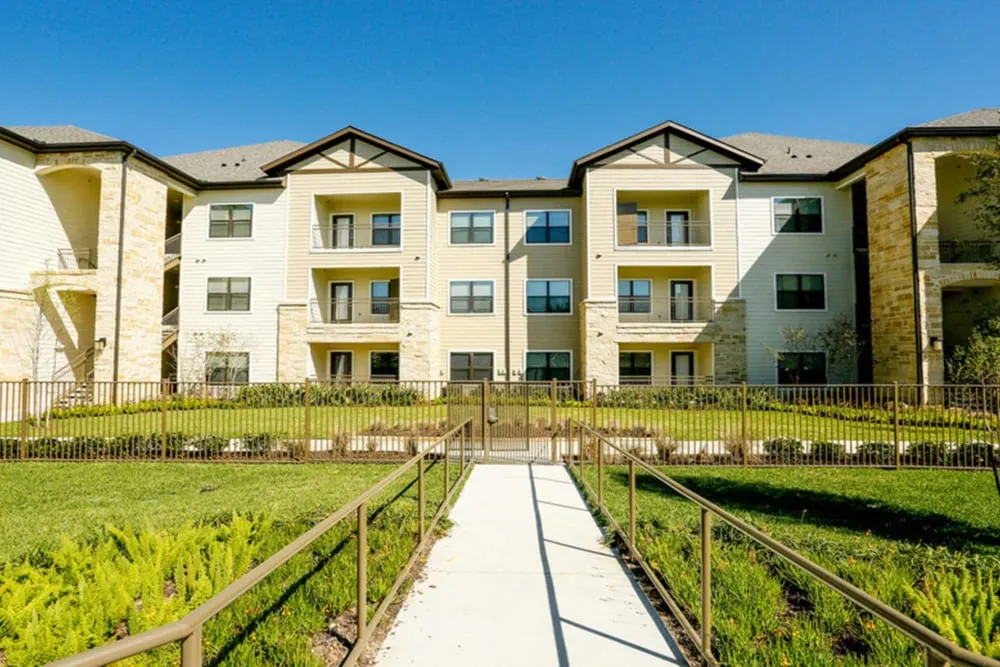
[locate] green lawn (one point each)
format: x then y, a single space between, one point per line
926 542
93 551
694 424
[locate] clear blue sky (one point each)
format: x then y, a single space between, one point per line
504 89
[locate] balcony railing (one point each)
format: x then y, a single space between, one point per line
969 252
354 311
172 246
665 311
76 259
353 235
660 233
678 380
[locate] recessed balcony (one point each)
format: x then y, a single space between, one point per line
674 219
370 222
969 252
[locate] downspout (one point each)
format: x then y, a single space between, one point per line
739 260
914 258
506 283
120 272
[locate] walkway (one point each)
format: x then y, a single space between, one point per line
524 579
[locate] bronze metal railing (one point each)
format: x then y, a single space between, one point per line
354 311
666 311
188 630
592 446
351 236
969 252
664 234
76 259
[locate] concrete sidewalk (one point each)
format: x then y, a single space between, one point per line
523 579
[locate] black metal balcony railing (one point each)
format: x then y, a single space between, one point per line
351 235
354 311
76 259
969 252
667 311
664 233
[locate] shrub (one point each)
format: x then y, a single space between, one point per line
826 451
666 447
735 444
258 444
10 448
341 443
783 448
372 445
929 453
975 454
208 445
877 453
412 445
296 449
46 447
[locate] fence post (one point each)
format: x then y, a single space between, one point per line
745 428
600 471
486 418
706 582
447 455
420 497
554 419
895 420
631 505
461 465
362 572
163 420
23 454
593 404
191 649
307 428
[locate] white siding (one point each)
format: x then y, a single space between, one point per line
763 253
261 257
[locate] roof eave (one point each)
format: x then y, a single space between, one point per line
905 135
513 192
786 177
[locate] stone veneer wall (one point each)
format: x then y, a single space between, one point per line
293 347
599 321
18 314
730 341
419 348
891 267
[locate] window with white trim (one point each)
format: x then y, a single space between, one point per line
798 215
548 296
801 368
800 291
471 366
471 297
547 366
228 294
230 221
472 228
227 367
546 227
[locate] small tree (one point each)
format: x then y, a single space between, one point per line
839 340
978 360
983 191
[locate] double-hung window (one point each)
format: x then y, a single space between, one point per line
547 366
802 368
472 228
230 221
384 365
801 291
552 297
546 227
227 367
228 294
798 215
471 297
635 367
471 366
386 229
634 296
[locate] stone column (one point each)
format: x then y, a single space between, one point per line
419 348
599 319
730 342
293 346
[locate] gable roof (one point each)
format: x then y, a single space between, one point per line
280 166
795 156
238 163
751 162
974 118
59 134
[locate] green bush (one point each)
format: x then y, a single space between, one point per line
877 453
784 448
258 444
828 452
929 453
209 446
975 454
10 448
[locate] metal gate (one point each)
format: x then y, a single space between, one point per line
511 421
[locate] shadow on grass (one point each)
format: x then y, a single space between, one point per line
820 508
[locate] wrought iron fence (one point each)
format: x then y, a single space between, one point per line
596 451
968 252
899 426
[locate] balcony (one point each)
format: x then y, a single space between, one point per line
684 381
969 252
354 311
76 259
634 232
172 252
171 325
347 235
665 311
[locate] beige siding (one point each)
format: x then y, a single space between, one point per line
486 333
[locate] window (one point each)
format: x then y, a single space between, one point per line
546 227
227 367
549 296
472 228
633 296
805 291
642 227
380 297
471 296
802 368
635 367
228 294
385 229
798 215
230 221
385 365
546 366
466 366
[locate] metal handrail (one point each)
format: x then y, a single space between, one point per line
188 629
982 251
938 649
380 310
172 245
172 317
677 233
80 359
329 236
672 310
77 259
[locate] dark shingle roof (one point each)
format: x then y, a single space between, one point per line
795 155
509 184
59 134
239 163
974 118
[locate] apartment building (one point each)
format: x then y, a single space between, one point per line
667 257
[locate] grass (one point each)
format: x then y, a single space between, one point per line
694 424
184 543
901 536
